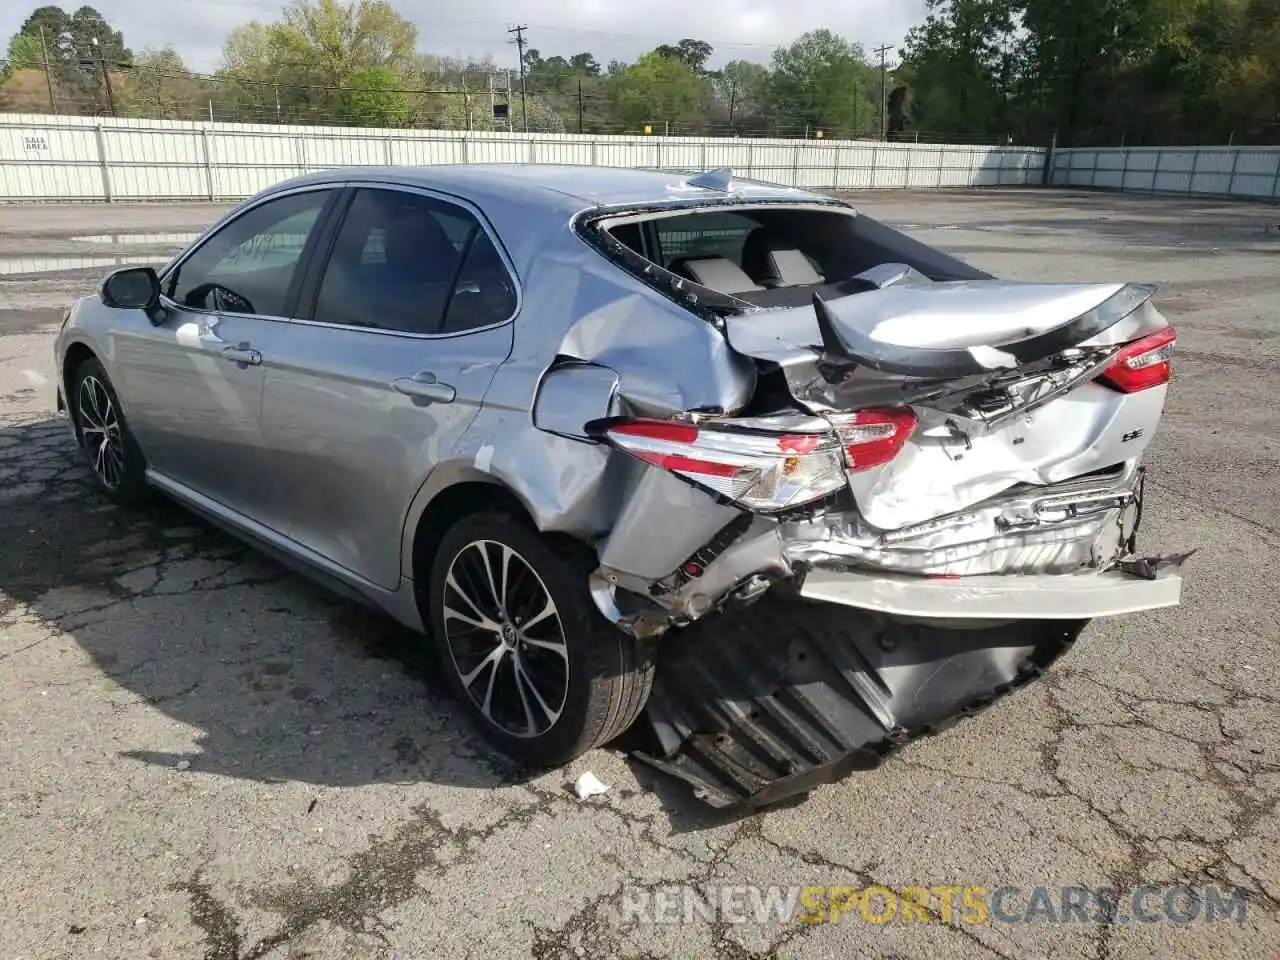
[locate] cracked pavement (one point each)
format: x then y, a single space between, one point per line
208 757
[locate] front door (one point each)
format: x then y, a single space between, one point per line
195 380
411 320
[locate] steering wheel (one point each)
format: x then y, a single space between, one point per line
224 298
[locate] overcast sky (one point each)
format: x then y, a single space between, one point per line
738 29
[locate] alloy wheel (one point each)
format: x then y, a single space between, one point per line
506 638
100 431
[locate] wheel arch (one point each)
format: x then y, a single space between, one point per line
450 493
75 354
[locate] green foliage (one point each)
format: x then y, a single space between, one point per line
825 82
1098 71
1087 71
24 53
301 67
159 85
77 45
695 53
657 89
373 97
742 92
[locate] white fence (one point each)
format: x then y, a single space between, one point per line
88 158
1245 172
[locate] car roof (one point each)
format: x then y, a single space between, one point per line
552 185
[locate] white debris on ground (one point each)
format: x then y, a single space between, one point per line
589 785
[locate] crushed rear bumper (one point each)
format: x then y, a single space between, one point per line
770 704
1009 596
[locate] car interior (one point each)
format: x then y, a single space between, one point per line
766 256
392 265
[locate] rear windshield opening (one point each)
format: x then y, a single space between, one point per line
768 256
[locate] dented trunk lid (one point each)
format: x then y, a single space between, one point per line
1002 377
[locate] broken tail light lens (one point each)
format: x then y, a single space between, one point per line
874 437
1142 364
761 471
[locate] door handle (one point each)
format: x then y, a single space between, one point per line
425 386
242 354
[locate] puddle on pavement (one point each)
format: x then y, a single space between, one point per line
14 266
136 239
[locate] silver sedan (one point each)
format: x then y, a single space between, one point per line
556 418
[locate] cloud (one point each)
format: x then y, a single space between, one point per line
737 29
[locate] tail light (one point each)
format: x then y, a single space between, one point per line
1142 364
767 471
873 437
761 471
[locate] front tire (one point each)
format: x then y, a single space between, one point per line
113 456
540 672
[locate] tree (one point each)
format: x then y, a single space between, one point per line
822 81
76 61
1097 71
585 63
373 98
550 75
660 90
25 53
960 64
742 95
695 53
300 66
159 85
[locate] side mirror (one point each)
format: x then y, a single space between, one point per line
133 288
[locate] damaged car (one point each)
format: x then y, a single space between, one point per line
565 420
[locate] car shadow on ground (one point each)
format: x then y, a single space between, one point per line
270 677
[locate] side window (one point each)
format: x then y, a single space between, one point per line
703 235
393 262
485 293
250 264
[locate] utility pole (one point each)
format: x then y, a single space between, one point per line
524 107
883 49
106 77
48 72
579 104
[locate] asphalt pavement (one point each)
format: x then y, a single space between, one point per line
205 756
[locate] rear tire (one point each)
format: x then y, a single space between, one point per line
541 673
114 458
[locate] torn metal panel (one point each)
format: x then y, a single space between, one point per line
928 330
1066 528
774 703
946 467
622 328
664 521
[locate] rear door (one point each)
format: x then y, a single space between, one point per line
405 320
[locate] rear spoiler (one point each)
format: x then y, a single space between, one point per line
842 344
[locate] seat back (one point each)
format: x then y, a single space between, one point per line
776 261
715 273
